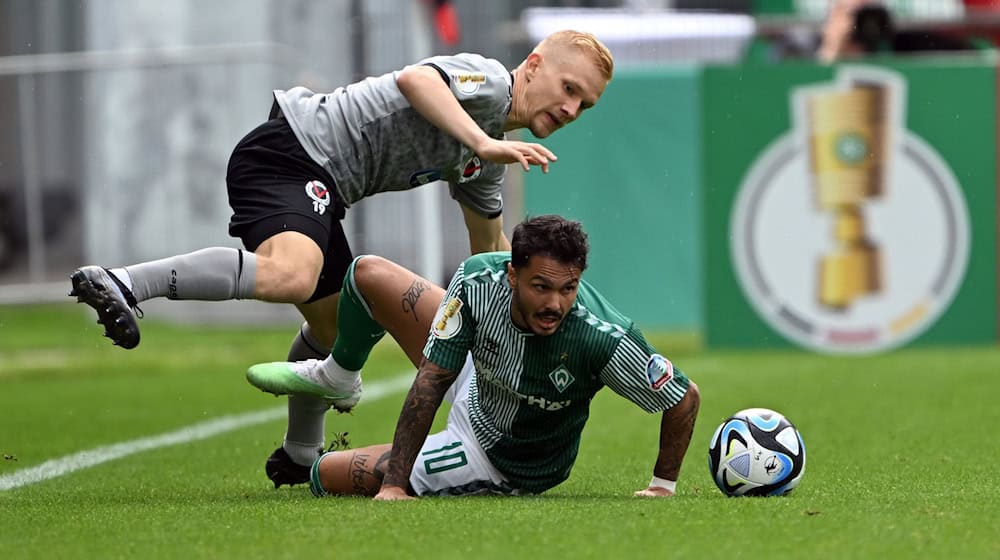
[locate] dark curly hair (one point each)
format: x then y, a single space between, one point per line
550 235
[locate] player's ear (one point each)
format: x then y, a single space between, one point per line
511 275
532 64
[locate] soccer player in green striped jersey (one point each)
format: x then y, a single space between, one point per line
519 344
292 179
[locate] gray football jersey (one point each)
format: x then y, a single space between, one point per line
530 395
371 140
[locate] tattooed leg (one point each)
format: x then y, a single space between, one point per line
355 472
399 300
411 297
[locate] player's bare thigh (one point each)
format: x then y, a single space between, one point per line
400 300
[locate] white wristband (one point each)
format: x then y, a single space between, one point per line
658 482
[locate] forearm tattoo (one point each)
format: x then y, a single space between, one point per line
676 429
412 294
415 420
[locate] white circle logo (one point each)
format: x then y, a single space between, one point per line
850 236
469 84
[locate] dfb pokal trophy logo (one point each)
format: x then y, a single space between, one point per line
850 234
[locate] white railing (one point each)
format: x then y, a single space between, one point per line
427 241
27 68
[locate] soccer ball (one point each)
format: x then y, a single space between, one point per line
756 452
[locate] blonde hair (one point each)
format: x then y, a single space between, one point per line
584 42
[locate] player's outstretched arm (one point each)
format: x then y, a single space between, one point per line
676 427
432 98
514 151
485 234
419 408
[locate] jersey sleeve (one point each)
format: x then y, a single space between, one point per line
636 372
452 330
479 83
483 88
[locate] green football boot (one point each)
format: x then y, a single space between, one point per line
303 378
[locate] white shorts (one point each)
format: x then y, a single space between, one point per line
451 462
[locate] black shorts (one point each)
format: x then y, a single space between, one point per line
274 186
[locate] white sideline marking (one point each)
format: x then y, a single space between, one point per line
203 430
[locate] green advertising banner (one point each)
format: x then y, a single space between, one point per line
850 208
629 170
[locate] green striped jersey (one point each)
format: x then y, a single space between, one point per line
530 396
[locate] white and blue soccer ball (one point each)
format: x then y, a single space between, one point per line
756 452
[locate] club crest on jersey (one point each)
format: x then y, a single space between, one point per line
320 196
659 371
491 346
472 169
421 178
561 378
448 320
469 83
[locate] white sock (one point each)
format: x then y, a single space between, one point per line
303 453
338 377
123 275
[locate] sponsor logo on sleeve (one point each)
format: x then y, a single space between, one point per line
448 320
469 83
659 371
472 170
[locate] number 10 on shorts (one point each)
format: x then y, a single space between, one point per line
445 458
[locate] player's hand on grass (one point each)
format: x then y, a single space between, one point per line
654 492
512 151
392 494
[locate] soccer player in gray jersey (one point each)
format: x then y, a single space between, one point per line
519 345
291 179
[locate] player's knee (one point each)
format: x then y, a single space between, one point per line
294 287
285 282
300 286
372 270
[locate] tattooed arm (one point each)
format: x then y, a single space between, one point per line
676 428
419 408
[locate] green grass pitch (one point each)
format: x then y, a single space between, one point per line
902 450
